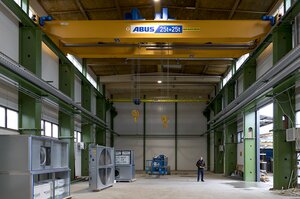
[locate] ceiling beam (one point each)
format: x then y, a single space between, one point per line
83 12
151 6
117 4
236 4
194 79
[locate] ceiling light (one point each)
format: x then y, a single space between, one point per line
159 81
156 0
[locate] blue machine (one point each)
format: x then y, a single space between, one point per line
157 166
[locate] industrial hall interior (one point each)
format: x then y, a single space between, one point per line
131 99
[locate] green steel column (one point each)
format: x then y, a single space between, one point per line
176 132
66 121
113 114
87 128
230 92
218 152
30 57
144 134
249 73
218 104
101 113
230 148
284 152
250 145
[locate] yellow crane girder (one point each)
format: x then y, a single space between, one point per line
155 39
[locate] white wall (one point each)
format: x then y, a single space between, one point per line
264 61
9 31
190 122
124 122
50 66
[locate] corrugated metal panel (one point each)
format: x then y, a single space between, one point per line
49 112
50 66
124 121
154 123
9 32
77 123
240 123
264 61
9 95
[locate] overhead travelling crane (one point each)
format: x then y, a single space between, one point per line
157 39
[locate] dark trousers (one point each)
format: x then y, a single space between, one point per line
200 173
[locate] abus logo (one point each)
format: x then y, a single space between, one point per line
143 29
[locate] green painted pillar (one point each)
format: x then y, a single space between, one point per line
285 165
229 92
218 151
66 121
230 148
249 73
250 145
30 57
283 152
101 113
218 104
113 114
87 128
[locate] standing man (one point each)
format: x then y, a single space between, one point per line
201 165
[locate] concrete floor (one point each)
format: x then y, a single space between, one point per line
179 186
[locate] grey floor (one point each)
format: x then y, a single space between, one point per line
180 186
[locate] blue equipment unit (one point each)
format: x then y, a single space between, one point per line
157 166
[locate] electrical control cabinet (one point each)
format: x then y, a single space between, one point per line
101 167
33 167
125 167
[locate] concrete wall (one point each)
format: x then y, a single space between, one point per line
161 140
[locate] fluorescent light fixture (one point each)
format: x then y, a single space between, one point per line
156 0
159 81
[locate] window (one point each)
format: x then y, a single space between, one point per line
12 119
227 78
75 62
241 61
77 136
91 80
297 119
2 117
9 118
18 2
49 129
240 137
54 131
